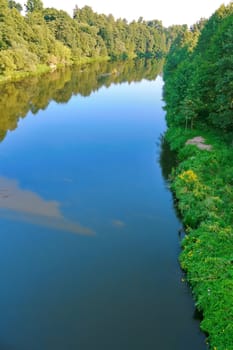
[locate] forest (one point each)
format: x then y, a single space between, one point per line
198 93
46 37
199 77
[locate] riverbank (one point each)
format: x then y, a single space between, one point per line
202 183
43 69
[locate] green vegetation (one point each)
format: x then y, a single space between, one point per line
199 102
199 76
45 38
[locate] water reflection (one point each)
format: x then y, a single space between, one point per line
118 223
25 205
34 94
168 159
95 157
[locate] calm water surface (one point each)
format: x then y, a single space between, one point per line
88 237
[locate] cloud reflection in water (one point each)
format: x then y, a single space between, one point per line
25 205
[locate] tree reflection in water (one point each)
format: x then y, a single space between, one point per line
34 94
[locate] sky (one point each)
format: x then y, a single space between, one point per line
168 11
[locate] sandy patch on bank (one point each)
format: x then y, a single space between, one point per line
199 141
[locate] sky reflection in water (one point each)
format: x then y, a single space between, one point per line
74 160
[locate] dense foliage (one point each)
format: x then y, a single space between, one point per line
199 102
203 186
199 74
46 37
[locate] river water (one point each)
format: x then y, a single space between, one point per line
88 241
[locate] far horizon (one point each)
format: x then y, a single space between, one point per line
169 12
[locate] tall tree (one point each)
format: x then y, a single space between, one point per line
198 74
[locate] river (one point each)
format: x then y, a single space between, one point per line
89 235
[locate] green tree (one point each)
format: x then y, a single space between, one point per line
13 4
49 37
34 5
198 74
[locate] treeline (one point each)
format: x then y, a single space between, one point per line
199 74
46 37
199 102
33 94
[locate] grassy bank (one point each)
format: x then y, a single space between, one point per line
15 76
43 68
203 184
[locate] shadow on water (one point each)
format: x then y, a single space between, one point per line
168 162
168 159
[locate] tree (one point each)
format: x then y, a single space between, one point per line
46 36
12 4
34 5
198 74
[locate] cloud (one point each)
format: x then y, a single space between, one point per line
25 205
118 223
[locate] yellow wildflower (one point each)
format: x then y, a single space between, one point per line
188 176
